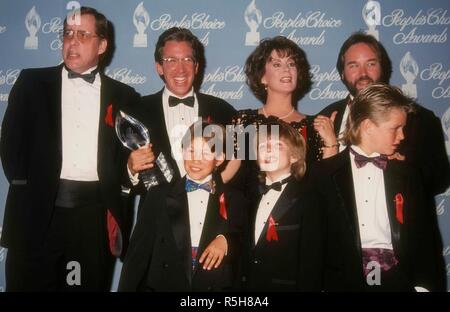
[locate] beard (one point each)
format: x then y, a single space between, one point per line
351 87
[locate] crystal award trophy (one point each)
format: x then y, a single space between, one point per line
133 135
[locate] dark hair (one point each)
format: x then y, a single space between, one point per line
374 102
178 34
293 139
198 50
360 37
256 62
101 22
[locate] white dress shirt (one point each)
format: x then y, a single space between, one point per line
342 146
178 119
370 195
197 204
266 205
80 113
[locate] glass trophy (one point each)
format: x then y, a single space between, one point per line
133 135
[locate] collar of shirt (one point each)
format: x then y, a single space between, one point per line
97 81
361 152
280 178
167 93
206 179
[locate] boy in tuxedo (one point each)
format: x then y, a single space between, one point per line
284 238
379 230
182 240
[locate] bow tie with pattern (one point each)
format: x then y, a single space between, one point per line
361 160
86 77
263 188
193 186
174 101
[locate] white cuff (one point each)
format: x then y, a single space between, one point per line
133 178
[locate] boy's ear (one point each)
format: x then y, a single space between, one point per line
367 126
293 160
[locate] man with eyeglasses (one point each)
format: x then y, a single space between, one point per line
179 60
63 217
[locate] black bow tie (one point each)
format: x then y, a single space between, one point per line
174 101
263 188
86 77
361 160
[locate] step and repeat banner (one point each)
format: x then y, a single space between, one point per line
415 34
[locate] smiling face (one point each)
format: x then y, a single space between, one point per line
179 75
199 160
385 135
280 74
275 157
80 56
361 67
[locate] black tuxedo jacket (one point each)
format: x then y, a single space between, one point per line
159 256
423 146
31 153
413 240
294 261
150 112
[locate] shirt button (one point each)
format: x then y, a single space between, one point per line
366 201
363 224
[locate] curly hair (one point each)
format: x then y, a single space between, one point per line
256 62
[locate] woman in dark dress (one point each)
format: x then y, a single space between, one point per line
278 75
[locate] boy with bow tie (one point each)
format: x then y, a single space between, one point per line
283 242
183 240
380 232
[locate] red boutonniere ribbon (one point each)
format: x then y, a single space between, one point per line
303 132
223 207
272 234
208 119
399 207
113 234
109 117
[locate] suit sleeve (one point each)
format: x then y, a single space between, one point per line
311 249
14 131
426 258
424 148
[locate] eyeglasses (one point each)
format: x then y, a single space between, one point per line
82 35
173 61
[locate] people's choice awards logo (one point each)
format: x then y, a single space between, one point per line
2 29
141 19
253 18
126 76
232 75
411 27
371 14
437 72
324 81
32 23
409 70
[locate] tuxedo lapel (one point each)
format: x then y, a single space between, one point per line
253 213
343 181
178 214
393 186
283 204
54 87
159 135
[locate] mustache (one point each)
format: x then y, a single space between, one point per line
365 78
